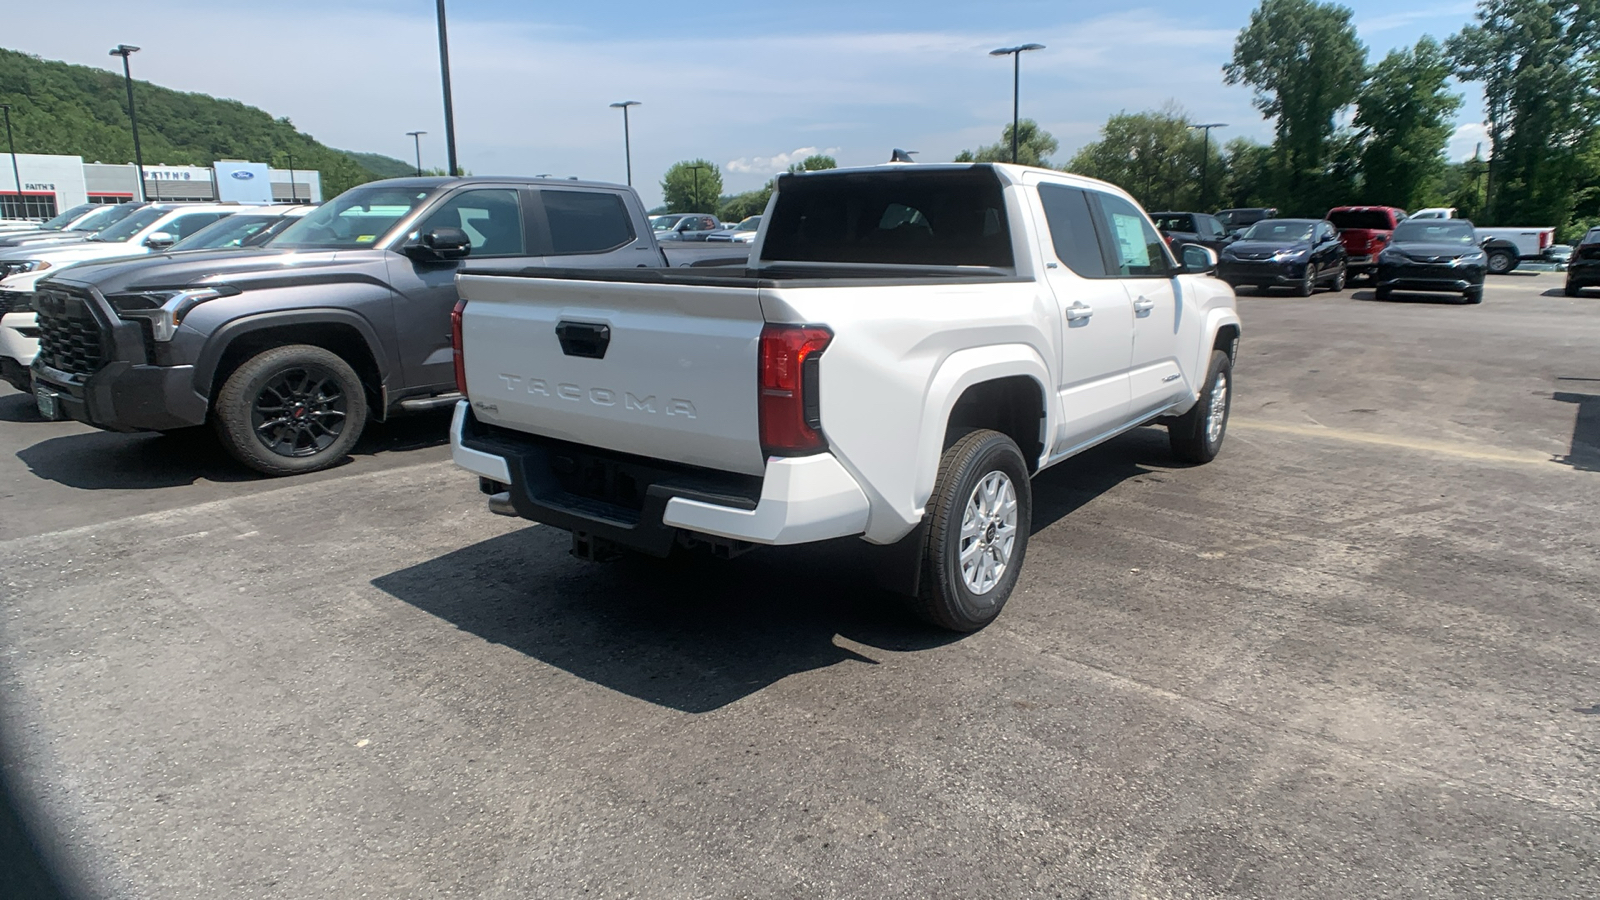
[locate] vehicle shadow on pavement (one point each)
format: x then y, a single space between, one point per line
100 460
694 633
1584 454
19 408
1410 297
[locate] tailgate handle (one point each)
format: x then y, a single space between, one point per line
586 339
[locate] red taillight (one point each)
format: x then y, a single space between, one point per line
1544 240
790 414
455 346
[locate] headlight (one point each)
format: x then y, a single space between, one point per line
1290 255
11 267
1473 258
164 310
1391 255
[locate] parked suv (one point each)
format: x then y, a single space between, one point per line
689 227
1237 220
1191 228
287 350
1365 231
1302 254
1583 269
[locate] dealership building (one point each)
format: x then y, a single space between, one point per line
51 184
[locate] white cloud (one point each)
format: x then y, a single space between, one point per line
771 165
1466 140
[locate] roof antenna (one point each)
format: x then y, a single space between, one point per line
901 155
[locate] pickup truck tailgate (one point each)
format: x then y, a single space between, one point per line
664 371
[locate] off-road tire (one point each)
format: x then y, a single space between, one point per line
1192 438
944 597
234 410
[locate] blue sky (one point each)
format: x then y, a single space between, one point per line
747 85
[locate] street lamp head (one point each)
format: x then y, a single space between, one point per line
123 50
413 134
1007 51
1211 125
624 104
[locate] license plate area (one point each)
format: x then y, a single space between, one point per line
48 402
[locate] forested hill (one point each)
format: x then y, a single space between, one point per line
80 111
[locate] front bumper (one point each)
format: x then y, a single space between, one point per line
127 397
644 504
1429 278
1261 273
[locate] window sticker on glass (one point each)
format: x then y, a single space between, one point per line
1130 240
366 238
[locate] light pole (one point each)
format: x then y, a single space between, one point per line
15 172
1016 84
449 110
294 192
416 138
697 167
124 51
627 146
1205 159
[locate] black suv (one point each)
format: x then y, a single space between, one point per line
1583 269
288 349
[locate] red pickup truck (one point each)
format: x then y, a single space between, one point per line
1364 231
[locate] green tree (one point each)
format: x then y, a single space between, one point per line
1034 146
1539 63
1251 174
1404 114
692 185
816 162
1305 64
749 203
1155 156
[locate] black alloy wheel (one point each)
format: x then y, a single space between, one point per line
300 412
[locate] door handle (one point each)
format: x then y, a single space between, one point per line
1143 305
1079 310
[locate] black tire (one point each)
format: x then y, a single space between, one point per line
1500 262
322 402
1572 290
1191 434
1473 295
944 596
1339 279
1382 293
1308 284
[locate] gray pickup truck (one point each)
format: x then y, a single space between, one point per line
287 350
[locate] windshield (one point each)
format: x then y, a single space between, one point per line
753 223
60 222
665 223
1174 222
234 231
106 217
130 225
1436 231
359 217
1361 218
1279 231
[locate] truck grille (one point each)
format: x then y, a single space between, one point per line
70 339
10 300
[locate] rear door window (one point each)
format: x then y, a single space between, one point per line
1072 229
586 221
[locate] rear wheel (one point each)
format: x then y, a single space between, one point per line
1196 436
976 527
291 410
1500 262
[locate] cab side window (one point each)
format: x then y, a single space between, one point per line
586 221
183 226
1070 218
1135 247
491 218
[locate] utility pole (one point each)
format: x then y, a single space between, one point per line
1205 160
124 51
15 172
449 109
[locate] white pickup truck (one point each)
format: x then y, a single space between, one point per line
909 346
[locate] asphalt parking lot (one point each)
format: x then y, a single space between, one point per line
1354 657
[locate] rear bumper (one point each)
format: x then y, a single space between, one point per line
644 504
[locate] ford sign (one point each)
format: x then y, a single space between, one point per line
242 175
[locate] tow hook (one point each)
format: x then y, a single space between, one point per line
500 504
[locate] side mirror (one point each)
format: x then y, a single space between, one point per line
1198 260
443 244
161 240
